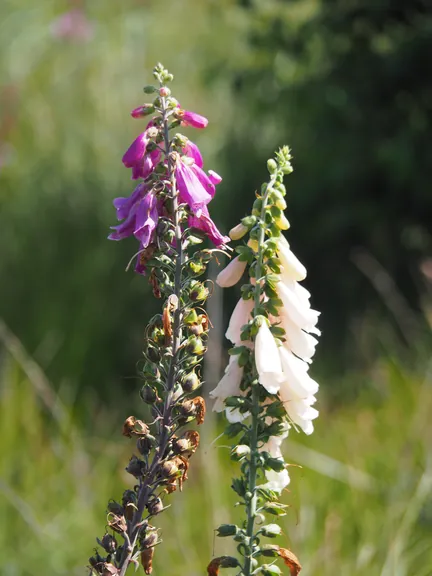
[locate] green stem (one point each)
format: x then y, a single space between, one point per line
251 504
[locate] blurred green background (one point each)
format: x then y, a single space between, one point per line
347 85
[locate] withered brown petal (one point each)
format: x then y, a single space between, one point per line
147 560
290 560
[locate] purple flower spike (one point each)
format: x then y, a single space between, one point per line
214 177
206 225
135 153
192 119
146 219
190 187
192 151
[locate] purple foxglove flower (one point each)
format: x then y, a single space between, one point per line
193 119
146 219
142 111
126 228
124 205
206 225
205 180
191 189
145 167
192 151
135 153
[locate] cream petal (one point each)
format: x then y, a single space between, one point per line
229 384
296 374
231 274
267 360
298 312
300 342
292 268
276 481
240 316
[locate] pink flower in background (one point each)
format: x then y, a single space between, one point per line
73 25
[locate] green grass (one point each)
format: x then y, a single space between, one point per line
359 504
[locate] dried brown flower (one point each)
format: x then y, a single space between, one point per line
200 409
117 523
134 427
147 560
290 560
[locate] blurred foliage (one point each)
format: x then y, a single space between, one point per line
359 504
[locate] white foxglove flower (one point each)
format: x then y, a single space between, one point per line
267 359
298 409
231 274
297 307
229 384
276 481
298 341
292 268
296 374
240 316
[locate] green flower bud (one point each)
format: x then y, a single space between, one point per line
271 166
238 231
239 452
271 530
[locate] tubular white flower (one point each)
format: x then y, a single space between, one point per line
298 409
267 359
298 341
276 481
240 316
297 307
292 268
296 374
231 274
229 385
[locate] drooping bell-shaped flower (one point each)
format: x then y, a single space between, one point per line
135 153
299 409
204 223
297 307
292 268
229 384
141 220
240 316
231 274
190 187
189 118
192 151
124 205
267 359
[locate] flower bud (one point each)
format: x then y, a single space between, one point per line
238 231
271 166
164 92
143 111
155 506
271 530
282 222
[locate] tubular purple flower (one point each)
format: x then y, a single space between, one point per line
191 190
206 225
146 219
193 119
145 167
135 153
126 228
124 205
205 180
192 151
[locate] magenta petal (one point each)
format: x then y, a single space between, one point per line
193 119
204 179
124 229
135 152
124 205
191 190
193 152
146 219
206 225
214 177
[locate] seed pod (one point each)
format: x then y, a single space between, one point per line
108 543
136 467
145 444
117 523
148 394
190 382
155 506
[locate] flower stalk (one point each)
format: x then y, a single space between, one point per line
266 389
170 219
